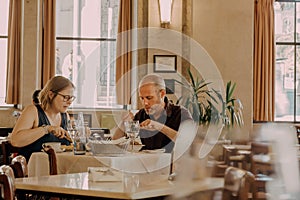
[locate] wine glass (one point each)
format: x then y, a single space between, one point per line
132 129
72 130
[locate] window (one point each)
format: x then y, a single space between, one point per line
287 74
3 48
86 33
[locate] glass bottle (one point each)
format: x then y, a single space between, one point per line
80 142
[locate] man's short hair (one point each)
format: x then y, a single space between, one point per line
154 79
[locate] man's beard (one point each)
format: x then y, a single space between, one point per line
156 110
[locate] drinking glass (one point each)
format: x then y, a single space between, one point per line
132 129
73 131
131 182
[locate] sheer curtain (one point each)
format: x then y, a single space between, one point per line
264 61
124 60
13 52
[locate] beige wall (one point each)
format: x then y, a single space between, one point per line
223 27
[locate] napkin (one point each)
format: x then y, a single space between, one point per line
104 174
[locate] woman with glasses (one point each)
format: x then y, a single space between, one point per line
47 121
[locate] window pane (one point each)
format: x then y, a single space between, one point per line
298 22
4 5
92 18
3 17
86 47
298 85
3 50
284 18
91 67
284 83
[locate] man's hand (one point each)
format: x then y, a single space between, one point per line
151 125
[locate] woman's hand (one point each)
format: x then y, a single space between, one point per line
58 131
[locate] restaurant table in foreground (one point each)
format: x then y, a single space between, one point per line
78 185
67 162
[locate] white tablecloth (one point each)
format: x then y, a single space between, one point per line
67 162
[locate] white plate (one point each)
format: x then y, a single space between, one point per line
61 150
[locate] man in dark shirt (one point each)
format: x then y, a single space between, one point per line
159 119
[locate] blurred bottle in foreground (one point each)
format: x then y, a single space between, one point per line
81 140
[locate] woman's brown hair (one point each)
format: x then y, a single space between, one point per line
55 84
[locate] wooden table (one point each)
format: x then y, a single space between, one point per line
78 184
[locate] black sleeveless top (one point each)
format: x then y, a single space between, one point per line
36 146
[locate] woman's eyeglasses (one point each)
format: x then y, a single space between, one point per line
66 97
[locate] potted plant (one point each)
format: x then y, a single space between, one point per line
231 111
202 103
232 107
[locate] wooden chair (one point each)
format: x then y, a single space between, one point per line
260 163
20 164
238 184
7 183
7 151
234 158
17 168
52 159
261 168
8 193
231 157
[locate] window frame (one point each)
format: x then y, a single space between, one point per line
3 36
3 104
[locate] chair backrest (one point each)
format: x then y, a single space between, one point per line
259 153
17 168
20 164
238 184
7 150
260 148
261 167
52 159
6 190
7 183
